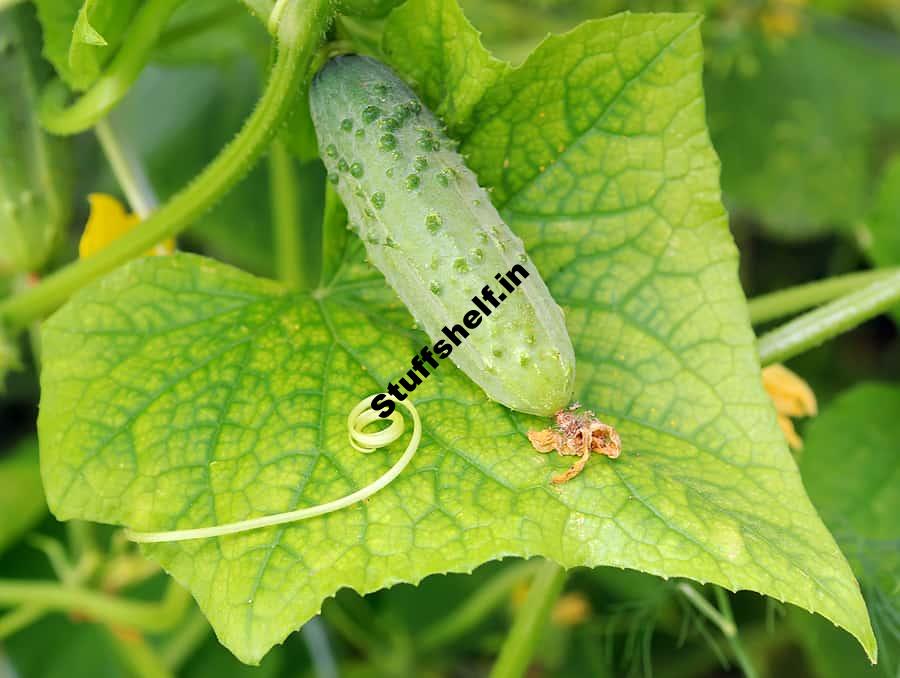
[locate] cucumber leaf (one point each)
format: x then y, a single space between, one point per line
179 392
80 36
852 472
415 39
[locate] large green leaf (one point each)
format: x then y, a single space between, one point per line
415 40
179 392
80 36
851 469
21 497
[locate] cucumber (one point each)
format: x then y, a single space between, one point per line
34 197
432 231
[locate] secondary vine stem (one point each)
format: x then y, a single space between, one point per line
334 235
814 328
724 620
127 168
299 32
519 646
734 640
803 297
286 218
150 617
115 82
474 609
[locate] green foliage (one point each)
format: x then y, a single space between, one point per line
880 234
179 392
369 9
80 36
34 188
452 80
213 31
850 470
808 170
55 648
9 357
22 499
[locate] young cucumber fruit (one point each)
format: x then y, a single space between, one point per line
434 234
34 193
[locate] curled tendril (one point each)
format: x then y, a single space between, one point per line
360 417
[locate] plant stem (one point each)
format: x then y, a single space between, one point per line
20 618
723 619
519 646
139 656
477 607
316 638
150 617
300 30
286 218
734 640
803 297
706 609
334 234
354 633
185 641
111 87
127 168
814 328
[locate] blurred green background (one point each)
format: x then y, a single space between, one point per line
803 102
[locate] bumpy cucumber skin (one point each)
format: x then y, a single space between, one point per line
34 196
434 234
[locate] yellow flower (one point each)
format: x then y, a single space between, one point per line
571 609
792 397
781 18
109 221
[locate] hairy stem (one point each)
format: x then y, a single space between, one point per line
115 82
149 617
804 297
286 218
299 33
816 327
518 648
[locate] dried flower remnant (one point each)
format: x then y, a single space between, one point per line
792 397
577 433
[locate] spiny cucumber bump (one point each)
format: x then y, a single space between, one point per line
433 232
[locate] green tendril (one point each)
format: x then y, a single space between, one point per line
359 418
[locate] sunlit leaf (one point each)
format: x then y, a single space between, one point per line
179 392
